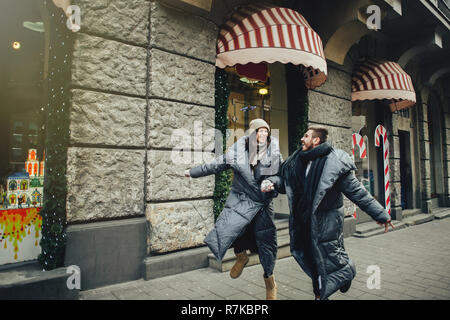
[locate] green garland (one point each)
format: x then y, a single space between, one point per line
223 179
297 106
53 213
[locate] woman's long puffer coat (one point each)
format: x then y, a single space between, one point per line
244 202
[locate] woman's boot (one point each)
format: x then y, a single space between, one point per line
271 288
241 261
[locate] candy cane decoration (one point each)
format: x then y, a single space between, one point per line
358 140
381 131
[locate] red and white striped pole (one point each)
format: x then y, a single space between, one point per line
358 140
381 131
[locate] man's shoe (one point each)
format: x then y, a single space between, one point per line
346 286
241 261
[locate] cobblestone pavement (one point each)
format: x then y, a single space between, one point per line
414 264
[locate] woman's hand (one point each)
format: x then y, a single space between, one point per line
187 174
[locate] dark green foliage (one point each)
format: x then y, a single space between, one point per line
297 106
223 179
53 213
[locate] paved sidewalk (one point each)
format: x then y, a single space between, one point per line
414 264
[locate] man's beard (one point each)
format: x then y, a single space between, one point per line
306 147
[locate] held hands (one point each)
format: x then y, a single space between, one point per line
267 186
386 225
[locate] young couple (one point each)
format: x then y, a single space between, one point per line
314 177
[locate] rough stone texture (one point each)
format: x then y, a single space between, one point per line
424 150
104 183
166 116
425 169
338 84
447 183
447 120
424 132
446 152
178 225
396 122
445 138
447 135
124 20
446 166
327 109
107 119
166 180
339 137
396 194
422 112
426 189
180 78
109 65
182 33
394 147
394 167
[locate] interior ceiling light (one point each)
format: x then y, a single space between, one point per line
263 91
34 26
16 45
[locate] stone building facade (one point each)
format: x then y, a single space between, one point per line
142 69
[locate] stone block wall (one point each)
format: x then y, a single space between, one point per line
106 156
391 124
424 154
181 96
446 147
141 71
330 106
445 102
106 163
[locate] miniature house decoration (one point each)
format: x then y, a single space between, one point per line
26 189
32 164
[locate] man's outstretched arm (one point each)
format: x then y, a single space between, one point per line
355 191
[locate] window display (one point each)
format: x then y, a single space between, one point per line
20 202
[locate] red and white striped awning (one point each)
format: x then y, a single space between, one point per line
264 33
379 79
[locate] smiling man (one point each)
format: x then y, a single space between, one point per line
315 177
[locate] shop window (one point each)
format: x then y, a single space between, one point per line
21 130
